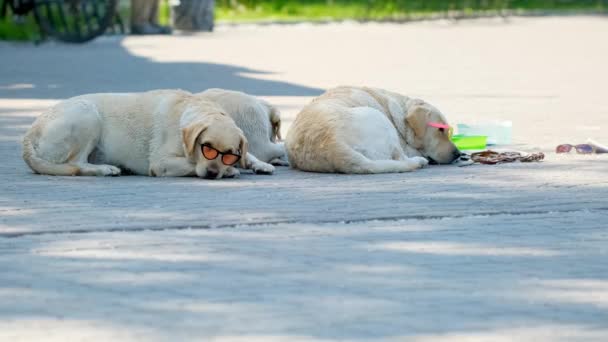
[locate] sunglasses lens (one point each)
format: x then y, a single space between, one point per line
565 148
584 148
209 152
230 159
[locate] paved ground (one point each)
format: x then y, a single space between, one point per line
511 252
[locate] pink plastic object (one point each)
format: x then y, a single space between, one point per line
438 125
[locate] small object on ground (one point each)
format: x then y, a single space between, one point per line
470 142
493 157
498 132
588 148
580 148
599 148
463 160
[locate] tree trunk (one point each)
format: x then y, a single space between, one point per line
193 15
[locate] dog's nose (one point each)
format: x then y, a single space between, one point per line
210 174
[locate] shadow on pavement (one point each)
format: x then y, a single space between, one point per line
56 71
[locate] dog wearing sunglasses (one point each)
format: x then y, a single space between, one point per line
260 121
368 130
156 133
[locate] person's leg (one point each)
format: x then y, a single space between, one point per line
144 18
153 12
153 18
140 12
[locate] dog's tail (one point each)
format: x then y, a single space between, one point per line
275 121
41 166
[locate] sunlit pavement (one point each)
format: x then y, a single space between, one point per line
508 252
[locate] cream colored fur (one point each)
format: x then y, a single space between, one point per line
260 122
157 133
367 130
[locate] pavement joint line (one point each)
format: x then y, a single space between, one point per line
320 222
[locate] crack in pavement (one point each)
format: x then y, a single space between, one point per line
318 222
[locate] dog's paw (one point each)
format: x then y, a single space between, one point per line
421 161
279 162
107 170
262 168
232 173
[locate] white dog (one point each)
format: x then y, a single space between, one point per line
157 133
368 130
260 122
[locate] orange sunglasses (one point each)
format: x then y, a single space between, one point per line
211 153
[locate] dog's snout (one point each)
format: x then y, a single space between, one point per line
211 173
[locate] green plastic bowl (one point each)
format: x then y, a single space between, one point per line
470 142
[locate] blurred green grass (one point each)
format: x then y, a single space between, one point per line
293 10
18 29
327 10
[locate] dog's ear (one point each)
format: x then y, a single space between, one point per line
417 118
191 133
243 146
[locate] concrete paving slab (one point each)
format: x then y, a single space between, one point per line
508 252
506 277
